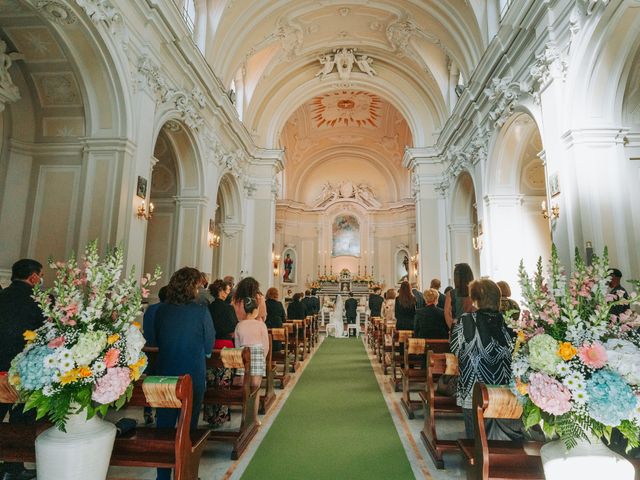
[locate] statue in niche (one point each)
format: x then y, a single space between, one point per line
405 264
288 268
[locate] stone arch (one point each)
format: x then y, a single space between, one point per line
229 226
465 231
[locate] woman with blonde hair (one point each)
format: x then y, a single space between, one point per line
388 310
429 320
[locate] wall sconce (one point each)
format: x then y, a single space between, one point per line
275 258
143 212
414 261
476 242
214 240
555 211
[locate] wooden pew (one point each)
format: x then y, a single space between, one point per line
495 459
269 396
293 341
386 345
242 395
17 442
436 404
308 325
302 339
281 358
369 331
375 338
175 448
399 338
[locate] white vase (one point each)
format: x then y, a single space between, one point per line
81 453
588 461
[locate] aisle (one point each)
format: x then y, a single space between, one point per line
335 424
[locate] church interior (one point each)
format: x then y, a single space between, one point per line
337 147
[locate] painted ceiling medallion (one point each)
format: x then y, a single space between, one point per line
346 108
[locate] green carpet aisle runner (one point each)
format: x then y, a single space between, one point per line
334 425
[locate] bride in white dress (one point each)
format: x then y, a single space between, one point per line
336 317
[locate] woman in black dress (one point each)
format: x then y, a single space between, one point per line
275 314
405 308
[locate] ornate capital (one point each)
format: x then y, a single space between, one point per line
230 230
503 95
548 66
8 91
103 11
149 76
188 109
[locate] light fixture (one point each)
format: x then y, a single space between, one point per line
275 258
143 212
414 261
555 211
214 240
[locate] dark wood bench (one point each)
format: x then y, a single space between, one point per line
302 339
281 358
397 346
413 370
435 404
386 345
17 442
369 332
292 332
176 448
497 459
235 395
269 397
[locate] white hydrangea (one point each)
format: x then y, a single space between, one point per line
89 346
135 342
623 357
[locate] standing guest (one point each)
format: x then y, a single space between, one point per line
405 308
484 347
204 297
375 303
435 284
223 315
506 302
249 288
18 312
224 323
296 310
308 302
275 314
184 334
231 281
388 310
351 309
458 302
149 320
418 294
316 301
253 333
429 320
615 288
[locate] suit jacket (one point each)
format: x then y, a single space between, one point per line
441 300
351 307
430 323
375 305
308 305
296 311
419 298
224 319
275 313
18 312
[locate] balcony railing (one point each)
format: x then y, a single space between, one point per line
183 8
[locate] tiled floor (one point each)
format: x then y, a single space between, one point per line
217 465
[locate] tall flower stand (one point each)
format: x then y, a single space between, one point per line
81 453
589 460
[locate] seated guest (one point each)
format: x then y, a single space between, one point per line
296 310
507 303
204 297
308 302
223 315
253 333
275 314
351 309
316 302
458 302
429 320
18 312
224 323
388 310
405 307
184 334
435 284
484 346
375 303
249 288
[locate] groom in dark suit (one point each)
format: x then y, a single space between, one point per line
351 308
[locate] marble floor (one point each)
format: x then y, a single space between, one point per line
216 463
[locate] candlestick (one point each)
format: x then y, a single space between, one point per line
365 270
358 269
325 269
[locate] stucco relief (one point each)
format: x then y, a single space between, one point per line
503 94
346 189
343 60
8 91
57 89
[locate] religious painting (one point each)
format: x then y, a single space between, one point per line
289 266
402 265
346 236
141 187
554 184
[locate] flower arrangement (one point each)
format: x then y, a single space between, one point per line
576 366
328 278
89 350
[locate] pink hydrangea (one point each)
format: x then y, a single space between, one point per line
111 358
549 394
56 342
594 355
112 385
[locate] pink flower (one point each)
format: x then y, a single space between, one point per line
111 358
112 385
145 292
56 342
594 355
549 394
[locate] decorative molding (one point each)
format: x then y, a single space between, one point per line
250 187
188 109
234 162
288 34
230 230
343 60
479 146
55 11
103 11
503 94
549 65
149 74
346 190
589 6
9 93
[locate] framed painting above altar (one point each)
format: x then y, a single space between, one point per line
346 236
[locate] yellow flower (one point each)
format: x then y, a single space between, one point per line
519 341
14 380
111 339
137 325
84 371
523 388
70 377
29 335
135 368
567 351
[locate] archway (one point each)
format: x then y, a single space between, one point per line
228 228
518 228
465 231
